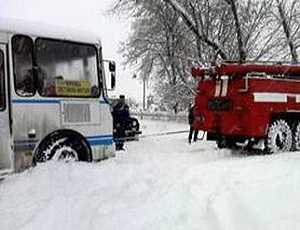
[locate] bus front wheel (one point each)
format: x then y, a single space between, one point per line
65 146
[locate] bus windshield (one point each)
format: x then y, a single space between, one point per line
66 69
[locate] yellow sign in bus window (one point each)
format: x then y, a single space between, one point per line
80 88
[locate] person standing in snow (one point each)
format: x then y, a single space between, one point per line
120 119
191 120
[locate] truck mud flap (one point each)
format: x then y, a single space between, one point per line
212 136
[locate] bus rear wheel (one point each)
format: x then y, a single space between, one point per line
63 147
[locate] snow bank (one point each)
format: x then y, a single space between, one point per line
149 127
157 183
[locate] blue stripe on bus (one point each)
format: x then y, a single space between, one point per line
104 102
35 101
99 137
93 141
23 145
42 101
100 140
26 141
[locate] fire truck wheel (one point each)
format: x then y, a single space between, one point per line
297 137
279 138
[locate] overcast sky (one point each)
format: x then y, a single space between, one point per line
88 15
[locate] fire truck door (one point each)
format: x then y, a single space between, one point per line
5 133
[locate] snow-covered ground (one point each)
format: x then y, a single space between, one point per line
149 127
160 182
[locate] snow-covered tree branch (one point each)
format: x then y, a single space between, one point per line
169 36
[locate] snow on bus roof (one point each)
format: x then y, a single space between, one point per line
19 26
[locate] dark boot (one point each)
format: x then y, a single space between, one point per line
120 146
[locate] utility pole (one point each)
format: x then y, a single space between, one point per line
144 93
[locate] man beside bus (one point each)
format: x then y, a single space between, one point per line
120 119
191 121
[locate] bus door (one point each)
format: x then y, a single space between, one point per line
5 131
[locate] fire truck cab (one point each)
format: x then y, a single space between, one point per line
254 104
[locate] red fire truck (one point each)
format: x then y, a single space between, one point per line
252 105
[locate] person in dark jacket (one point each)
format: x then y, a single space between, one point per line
191 120
120 119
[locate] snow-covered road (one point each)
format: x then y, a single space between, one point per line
157 183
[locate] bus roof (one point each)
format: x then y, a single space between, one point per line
18 26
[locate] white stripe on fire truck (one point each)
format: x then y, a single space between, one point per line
218 88
224 87
275 97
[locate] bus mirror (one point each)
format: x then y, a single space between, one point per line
113 80
112 66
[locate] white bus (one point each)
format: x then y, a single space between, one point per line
53 102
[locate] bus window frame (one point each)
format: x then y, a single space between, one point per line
3 81
102 77
100 88
33 64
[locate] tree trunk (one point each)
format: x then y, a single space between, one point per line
242 52
192 25
287 32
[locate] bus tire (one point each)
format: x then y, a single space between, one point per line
63 145
279 137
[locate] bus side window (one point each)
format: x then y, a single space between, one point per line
23 65
2 82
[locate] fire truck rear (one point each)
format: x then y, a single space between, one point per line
252 105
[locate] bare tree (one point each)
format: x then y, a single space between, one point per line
192 25
289 19
242 54
169 36
159 47
215 23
